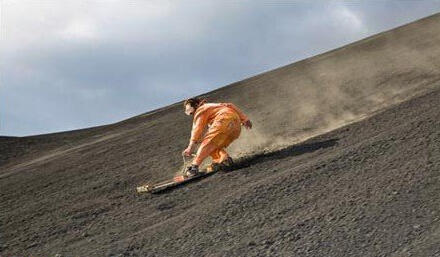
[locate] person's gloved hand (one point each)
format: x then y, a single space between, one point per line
187 152
248 124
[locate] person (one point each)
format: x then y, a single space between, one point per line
222 123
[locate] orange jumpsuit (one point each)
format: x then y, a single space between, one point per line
224 122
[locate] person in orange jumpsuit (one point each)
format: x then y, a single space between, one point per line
222 123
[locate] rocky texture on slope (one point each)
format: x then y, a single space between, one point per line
368 188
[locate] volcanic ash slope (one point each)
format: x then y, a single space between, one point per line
351 167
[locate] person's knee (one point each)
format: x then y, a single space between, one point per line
223 153
205 150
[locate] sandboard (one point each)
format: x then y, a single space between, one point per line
172 183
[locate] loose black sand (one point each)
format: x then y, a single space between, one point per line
370 188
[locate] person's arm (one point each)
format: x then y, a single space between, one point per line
198 127
243 118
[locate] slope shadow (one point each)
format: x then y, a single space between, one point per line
245 162
289 151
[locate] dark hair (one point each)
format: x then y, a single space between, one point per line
194 102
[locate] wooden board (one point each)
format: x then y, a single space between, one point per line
171 183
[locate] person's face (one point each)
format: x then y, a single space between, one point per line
189 110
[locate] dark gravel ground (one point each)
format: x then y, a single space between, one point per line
365 189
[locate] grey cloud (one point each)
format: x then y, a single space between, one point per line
141 63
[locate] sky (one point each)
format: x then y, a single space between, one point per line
67 65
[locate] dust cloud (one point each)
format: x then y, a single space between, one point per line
317 95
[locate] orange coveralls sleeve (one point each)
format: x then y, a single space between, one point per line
198 127
243 117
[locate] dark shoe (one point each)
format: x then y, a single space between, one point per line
213 167
227 163
192 170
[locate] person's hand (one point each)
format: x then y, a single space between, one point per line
248 124
187 152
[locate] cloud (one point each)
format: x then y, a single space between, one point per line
79 29
86 63
347 19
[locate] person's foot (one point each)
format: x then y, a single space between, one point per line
223 166
213 167
227 165
192 170
228 162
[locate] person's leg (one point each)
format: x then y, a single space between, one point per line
215 155
223 155
225 159
204 151
216 140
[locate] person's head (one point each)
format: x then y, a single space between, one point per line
192 104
